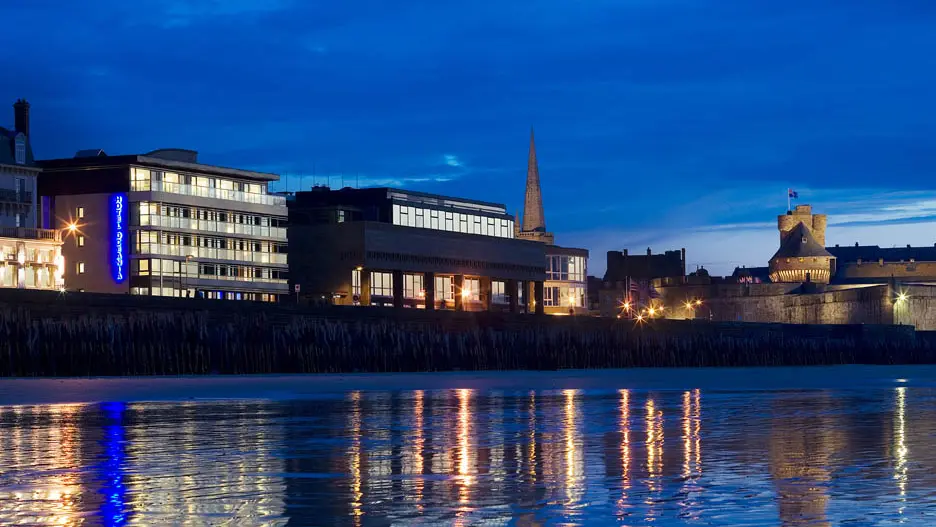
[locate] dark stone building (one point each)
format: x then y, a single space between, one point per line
633 278
384 246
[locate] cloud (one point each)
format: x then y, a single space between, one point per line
452 161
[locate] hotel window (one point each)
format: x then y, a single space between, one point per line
381 284
139 179
80 213
356 283
79 240
80 268
413 286
498 296
434 219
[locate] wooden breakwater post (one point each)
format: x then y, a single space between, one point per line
101 335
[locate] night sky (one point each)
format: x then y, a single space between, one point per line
663 123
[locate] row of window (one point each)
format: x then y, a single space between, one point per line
452 221
185 270
381 285
147 208
29 277
193 293
562 267
198 246
144 179
199 240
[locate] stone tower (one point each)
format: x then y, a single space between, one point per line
802 255
534 220
815 223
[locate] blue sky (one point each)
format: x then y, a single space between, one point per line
668 123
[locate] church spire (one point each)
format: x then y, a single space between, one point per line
533 218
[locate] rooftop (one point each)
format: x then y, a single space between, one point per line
167 158
401 196
874 253
799 243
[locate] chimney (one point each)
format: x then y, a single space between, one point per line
856 244
648 251
21 116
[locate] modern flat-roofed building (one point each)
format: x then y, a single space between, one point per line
391 247
164 224
566 286
30 258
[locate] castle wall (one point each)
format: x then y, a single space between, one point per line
886 270
776 303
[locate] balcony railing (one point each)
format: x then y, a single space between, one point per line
222 227
212 253
27 233
207 192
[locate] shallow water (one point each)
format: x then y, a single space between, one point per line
832 446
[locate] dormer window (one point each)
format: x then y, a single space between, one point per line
804 239
20 149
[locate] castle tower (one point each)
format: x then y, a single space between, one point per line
815 223
802 255
534 220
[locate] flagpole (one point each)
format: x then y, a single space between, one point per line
788 200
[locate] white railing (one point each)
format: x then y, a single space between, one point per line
210 252
208 192
223 227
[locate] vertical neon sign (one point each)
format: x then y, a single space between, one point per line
118 222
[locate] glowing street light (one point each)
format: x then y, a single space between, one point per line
651 311
902 297
689 305
640 318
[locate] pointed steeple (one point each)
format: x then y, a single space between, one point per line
533 218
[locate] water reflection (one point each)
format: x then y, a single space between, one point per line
469 457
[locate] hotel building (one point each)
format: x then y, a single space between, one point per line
30 258
566 286
390 247
163 224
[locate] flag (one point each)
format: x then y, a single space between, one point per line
792 193
634 286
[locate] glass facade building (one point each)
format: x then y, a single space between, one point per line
177 227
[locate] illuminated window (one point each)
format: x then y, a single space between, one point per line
498 294
80 213
79 241
356 283
473 287
413 286
381 284
444 288
81 268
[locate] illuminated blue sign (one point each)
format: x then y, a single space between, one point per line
118 242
